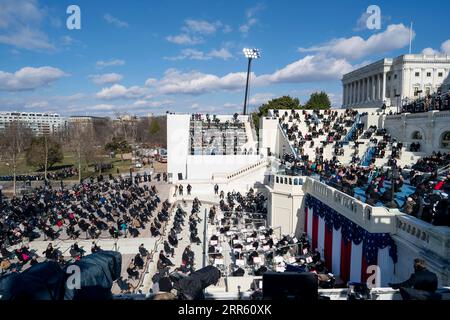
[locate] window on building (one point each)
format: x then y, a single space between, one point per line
416 91
395 76
417 74
445 140
440 74
417 135
428 74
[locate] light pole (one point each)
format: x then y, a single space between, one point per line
398 100
250 54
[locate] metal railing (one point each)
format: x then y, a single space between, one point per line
352 129
287 140
368 155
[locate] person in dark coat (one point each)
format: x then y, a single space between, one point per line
138 261
164 259
421 285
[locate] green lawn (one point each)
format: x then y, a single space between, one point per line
69 160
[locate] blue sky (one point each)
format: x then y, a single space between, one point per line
186 56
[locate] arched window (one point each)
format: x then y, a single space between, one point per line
290 181
416 135
445 140
295 182
285 181
277 179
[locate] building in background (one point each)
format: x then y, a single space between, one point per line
88 122
39 123
394 81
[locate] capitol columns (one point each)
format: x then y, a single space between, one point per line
383 96
374 89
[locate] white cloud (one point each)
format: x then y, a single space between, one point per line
110 63
107 78
191 54
195 83
335 99
396 36
113 20
184 39
29 78
193 30
37 104
20 25
245 28
118 91
101 107
251 20
151 104
150 82
308 69
445 49
227 29
201 26
194 54
430 51
361 24
221 54
260 98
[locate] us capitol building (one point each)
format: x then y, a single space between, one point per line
394 81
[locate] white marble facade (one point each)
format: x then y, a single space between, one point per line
395 81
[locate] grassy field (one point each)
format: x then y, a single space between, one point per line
69 161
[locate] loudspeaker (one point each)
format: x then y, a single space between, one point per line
290 286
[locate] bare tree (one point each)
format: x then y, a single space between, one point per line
13 142
82 143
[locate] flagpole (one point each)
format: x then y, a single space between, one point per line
410 38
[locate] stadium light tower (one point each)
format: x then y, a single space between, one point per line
250 54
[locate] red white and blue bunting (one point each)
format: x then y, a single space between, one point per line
357 249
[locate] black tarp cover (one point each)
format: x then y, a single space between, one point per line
98 272
43 281
191 287
47 281
6 285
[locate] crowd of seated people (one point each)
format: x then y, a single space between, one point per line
424 196
194 219
330 126
53 175
178 225
20 259
432 163
187 266
252 202
255 250
438 101
113 207
212 137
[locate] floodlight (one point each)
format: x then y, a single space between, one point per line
251 53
